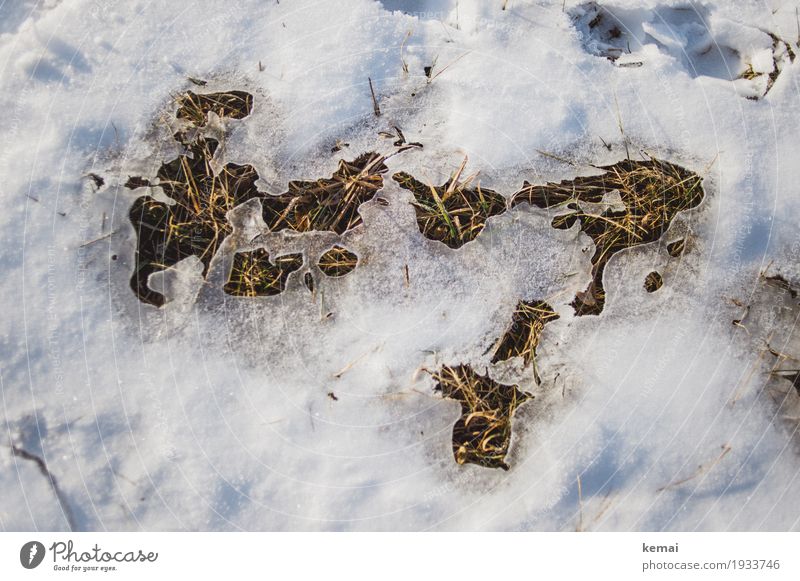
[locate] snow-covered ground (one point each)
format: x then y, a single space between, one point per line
213 412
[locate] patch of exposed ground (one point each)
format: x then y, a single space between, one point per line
522 336
253 274
195 108
196 223
629 204
653 282
676 248
455 212
338 261
483 432
330 203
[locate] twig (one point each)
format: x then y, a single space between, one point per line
60 497
350 365
375 108
700 470
555 157
621 128
402 46
448 66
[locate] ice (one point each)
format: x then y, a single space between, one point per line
214 411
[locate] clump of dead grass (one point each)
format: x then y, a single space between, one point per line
455 212
522 336
195 108
338 261
327 204
482 434
652 192
196 224
676 248
782 55
254 275
653 282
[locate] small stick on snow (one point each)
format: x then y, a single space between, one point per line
98 239
753 368
402 46
604 506
375 106
700 470
350 365
555 157
621 128
448 66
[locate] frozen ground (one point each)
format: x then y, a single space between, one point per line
213 413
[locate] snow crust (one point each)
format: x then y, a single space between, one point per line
213 412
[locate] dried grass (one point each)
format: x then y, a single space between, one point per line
675 249
254 275
652 191
522 336
482 434
327 204
338 261
453 213
195 108
653 282
196 224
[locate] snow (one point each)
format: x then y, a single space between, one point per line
213 412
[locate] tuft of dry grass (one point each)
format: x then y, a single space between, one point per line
453 213
780 282
749 74
652 192
675 249
254 275
482 434
653 282
196 224
195 108
522 336
565 221
327 204
338 261
782 55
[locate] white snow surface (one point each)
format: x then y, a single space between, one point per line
212 413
